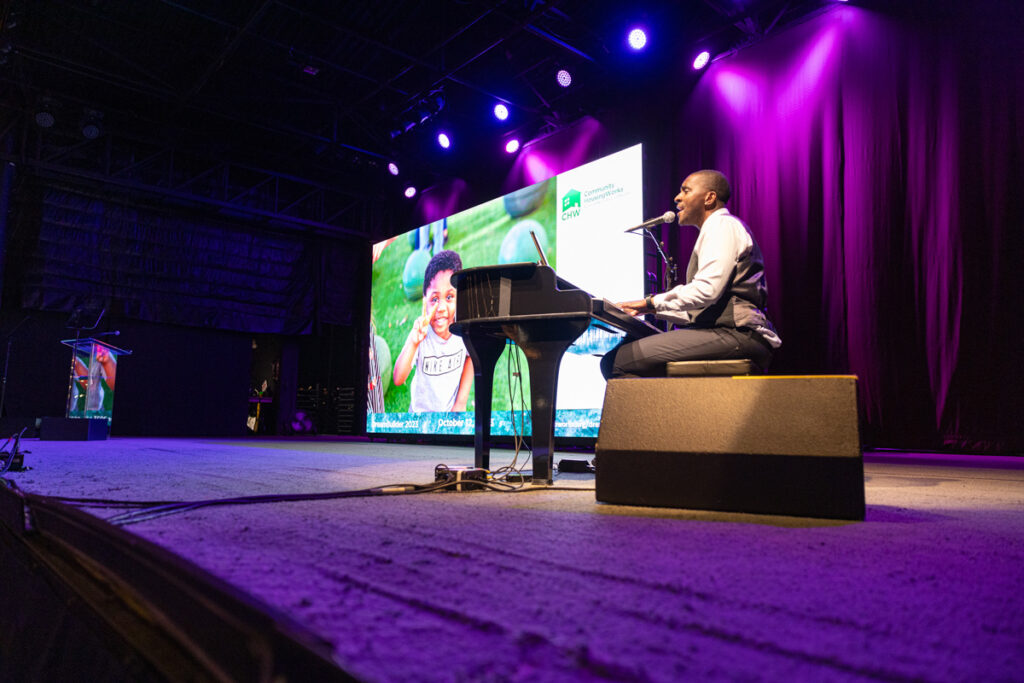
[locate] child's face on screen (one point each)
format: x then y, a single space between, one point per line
440 293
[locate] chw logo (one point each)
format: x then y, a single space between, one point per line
570 204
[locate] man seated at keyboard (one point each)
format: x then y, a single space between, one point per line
720 312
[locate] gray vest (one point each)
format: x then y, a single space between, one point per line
745 299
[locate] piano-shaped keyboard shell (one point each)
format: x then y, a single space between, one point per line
543 314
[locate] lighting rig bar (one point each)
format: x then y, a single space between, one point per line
187 177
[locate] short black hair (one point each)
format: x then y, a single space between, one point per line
443 260
717 182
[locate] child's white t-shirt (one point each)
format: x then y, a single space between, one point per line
439 364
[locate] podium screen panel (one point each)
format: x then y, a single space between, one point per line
92 386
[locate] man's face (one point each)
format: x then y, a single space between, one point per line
440 292
690 201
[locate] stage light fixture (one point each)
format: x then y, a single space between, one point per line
92 124
564 78
419 113
500 111
512 146
44 114
392 168
444 140
410 192
637 39
701 60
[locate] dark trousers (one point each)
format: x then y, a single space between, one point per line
647 357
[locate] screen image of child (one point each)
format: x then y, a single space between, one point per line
444 371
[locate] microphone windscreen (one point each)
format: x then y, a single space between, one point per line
668 216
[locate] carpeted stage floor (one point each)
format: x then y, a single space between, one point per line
548 585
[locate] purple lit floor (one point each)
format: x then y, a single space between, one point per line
550 585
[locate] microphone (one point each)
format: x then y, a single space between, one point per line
666 217
108 334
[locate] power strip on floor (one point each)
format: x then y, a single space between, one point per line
467 478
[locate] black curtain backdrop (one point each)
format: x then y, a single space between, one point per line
877 158
168 266
186 289
178 381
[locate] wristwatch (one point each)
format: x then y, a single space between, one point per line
649 301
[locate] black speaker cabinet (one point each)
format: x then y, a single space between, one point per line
780 445
73 429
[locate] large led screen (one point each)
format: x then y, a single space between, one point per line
421 377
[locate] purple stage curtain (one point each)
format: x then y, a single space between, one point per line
877 156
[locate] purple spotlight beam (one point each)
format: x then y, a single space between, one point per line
701 60
393 168
500 111
512 146
444 140
410 192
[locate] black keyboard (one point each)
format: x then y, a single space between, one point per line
543 314
519 291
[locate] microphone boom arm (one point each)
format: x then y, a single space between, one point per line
670 264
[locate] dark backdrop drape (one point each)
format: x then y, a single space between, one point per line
188 291
877 157
176 267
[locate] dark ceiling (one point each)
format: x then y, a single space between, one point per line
323 93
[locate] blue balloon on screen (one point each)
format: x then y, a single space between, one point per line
518 247
412 276
522 202
382 354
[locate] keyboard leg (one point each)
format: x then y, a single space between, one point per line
485 351
544 344
543 380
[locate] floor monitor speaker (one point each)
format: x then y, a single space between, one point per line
781 445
